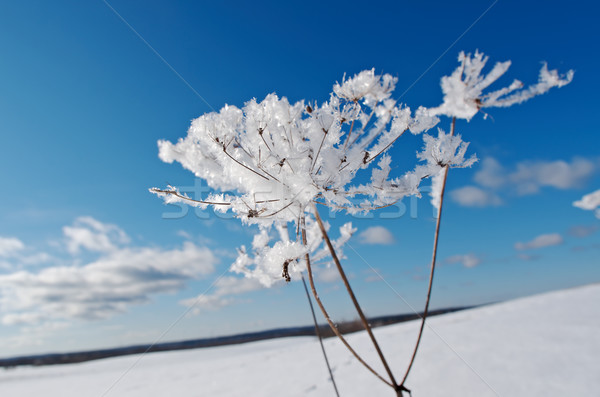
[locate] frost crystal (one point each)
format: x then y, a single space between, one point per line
285 258
280 159
445 150
463 89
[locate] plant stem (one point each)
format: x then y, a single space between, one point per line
353 297
326 315
386 147
318 332
433 261
176 194
243 165
349 135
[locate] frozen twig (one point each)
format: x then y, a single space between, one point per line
311 155
433 263
362 316
318 332
326 315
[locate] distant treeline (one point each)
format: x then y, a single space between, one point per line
344 327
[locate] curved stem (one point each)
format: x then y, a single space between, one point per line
326 315
433 261
353 297
386 148
318 332
243 165
178 195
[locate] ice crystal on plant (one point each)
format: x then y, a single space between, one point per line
279 159
463 89
445 150
366 86
268 262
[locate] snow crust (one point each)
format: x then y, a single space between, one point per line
545 345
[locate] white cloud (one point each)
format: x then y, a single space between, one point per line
120 277
528 257
590 202
328 274
32 335
467 260
582 231
14 254
35 259
544 240
184 234
10 246
527 177
207 302
373 275
225 289
530 176
376 235
491 173
86 232
472 196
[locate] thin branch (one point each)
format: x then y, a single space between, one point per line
267 201
318 332
353 297
363 127
243 165
372 135
284 207
386 148
433 261
341 207
326 315
286 135
243 149
349 134
279 210
265 171
177 194
319 151
260 132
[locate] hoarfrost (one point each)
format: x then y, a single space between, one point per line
463 89
280 159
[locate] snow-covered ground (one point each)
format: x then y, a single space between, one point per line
545 345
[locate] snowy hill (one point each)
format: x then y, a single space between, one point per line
545 345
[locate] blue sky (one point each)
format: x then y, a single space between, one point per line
84 99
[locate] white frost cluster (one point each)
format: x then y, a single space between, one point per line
445 150
278 159
269 263
463 89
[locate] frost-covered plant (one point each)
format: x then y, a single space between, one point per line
463 99
265 259
463 89
281 159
